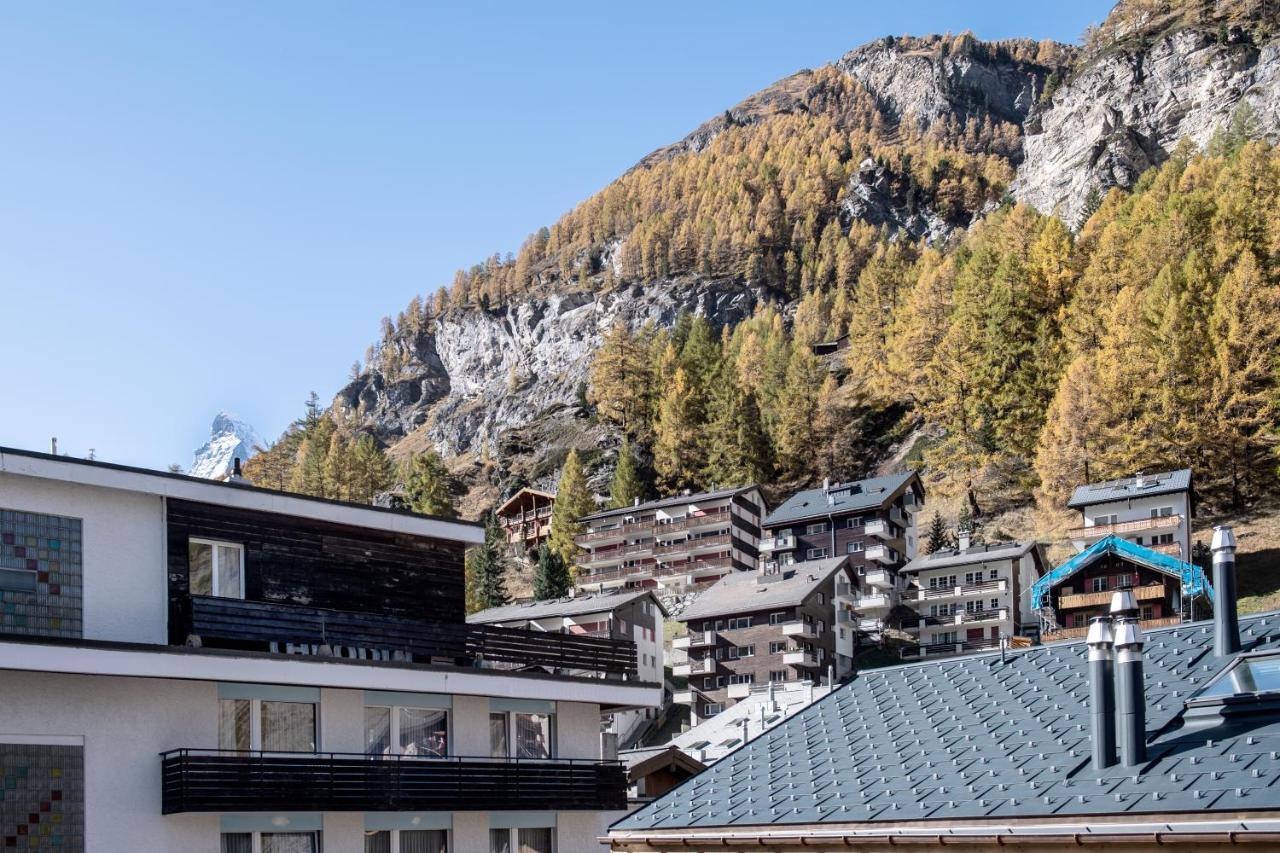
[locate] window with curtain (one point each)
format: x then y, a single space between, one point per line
216 568
498 736
234 724
423 732
424 841
499 841
288 727
536 840
377 841
377 731
237 842
534 735
289 842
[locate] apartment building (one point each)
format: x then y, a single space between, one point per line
690 540
201 666
971 597
872 522
775 625
1153 510
526 519
633 615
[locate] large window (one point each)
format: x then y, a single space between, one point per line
267 725
406 731
406 841
517 734
524 840
216 568
270 842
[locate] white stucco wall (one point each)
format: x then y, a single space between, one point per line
1138 509
125 595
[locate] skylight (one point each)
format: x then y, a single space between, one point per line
1246 676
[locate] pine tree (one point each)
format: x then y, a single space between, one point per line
939 537
627 487
372 471
486 569
427 485
550 575
573 501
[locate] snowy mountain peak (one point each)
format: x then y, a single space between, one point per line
229 439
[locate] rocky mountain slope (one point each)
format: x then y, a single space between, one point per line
229 439
504 383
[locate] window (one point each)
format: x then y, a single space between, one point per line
995 604
422 732
853 521
822 598
739 622
733 653
944 582
516 734
742 678
777 618
777 647
822 627
270 842
267 725
712 708
216 568
1162 539
746 651
406 841
1124 580
994 575
777 675
1162 512
971 578
1099 584
708 683
855 547
524 840
719 681
820 527
945 638
1148 612
18 580
1106 519
816 553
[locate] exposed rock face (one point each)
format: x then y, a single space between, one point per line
229 439
877 198
1125 111
476 374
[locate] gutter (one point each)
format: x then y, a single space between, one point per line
1039 841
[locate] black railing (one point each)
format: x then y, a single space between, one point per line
221 621
195 780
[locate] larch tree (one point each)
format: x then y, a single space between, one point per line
427 485
1070 438
372 471
573 501
678 453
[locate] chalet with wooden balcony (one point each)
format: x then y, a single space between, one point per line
973 597
526 518
872 522
1168 590
1152 510
199 665
772 626
691 540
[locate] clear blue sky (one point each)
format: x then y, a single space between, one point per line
207 206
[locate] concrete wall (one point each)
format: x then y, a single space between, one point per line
125 595
1140 508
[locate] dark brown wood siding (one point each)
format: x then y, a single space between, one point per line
321 564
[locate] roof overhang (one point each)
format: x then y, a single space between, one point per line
671 758
521 493
1125 550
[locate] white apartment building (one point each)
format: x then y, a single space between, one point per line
970 597
200 667
1154 510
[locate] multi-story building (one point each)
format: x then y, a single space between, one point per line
871 521
774 625
971 597
526 518
194 665
1153 510
633 615
679 542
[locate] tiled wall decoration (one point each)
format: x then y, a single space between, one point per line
41 797
41 577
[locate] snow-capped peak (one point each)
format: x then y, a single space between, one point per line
230 438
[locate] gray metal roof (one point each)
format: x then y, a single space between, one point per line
739 592
1164 483
973 555
974 738
845 497
575 606
717 494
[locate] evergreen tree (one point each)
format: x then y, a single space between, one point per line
939 537
486 569
620 382
573 501
550 575
338 470
627 487
427 485
372 471
678 452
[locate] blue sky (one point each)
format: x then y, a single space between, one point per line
208 206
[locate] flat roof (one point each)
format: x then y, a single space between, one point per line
165 484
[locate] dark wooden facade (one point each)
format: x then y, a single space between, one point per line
1088 592
320 564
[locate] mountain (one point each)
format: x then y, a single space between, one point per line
795 198
229 439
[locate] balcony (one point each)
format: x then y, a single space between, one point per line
778 543
739 691
233 623
230 781
612 555
881 579
967 617
606 534
881 529
702 543
1121 528
694 640
1150 592
798 657
881 554
691 522
844 617
874 601
1079 633
801 630
959 647
985 588
703 666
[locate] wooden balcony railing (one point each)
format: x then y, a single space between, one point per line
1097 531
231 622
1077 633
232 781
1150 592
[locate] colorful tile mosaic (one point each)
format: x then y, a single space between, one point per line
41 577
41 798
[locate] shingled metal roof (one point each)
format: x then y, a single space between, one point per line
675 500
744 592
1163 483
985 553
568 606
981 738
845 497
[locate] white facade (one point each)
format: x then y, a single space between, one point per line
1160 522
121 696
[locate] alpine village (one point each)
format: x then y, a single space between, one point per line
892 462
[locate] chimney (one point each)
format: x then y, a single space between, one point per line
963 539
635 501
826 484
1140 480
236 475
53 445
1226 627
1102 693
1131 716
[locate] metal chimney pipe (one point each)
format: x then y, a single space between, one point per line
1102 693
1131 717
1226 626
